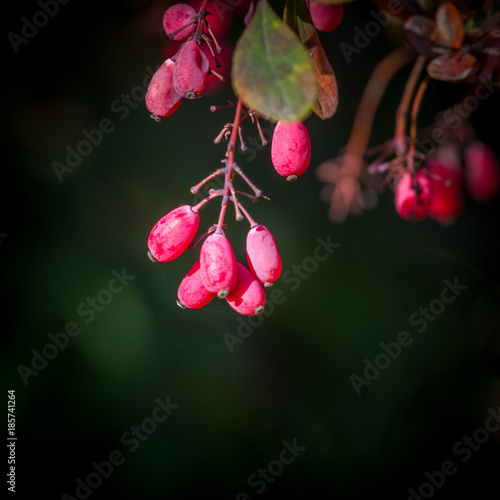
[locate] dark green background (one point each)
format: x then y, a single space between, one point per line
290 378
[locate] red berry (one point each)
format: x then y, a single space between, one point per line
176 17
447 189
192 292
248 297
482 172
218 265
161 97
262 255
325 17
413 195
290 149
173 233
191 71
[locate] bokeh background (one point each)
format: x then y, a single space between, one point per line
289 379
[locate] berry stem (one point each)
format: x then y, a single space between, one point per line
200 184
402 111
229 170
414 117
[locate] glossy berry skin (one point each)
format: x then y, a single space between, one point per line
161 96
192 292
447 189
218 264
290 149
413 195
173 233
482 172
325 17
262 255
191 71
176 17
248 297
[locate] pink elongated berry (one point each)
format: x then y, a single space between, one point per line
218 265
262 255
176 17
447 189
191 71
173 233
247 297
192 292
325 17
413 195
290 149
161 96
482 172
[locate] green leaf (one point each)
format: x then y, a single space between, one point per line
298 18
272 71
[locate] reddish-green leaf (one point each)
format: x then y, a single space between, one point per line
298 18
450 28
454 67
419 31
272 71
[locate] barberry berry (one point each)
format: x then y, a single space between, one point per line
290 149
191 71
218 264
325 17
173 233
161 97
413 195
262 255
247 297
447 189
482 172
176 17
192 293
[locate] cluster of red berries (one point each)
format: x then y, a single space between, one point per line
217 273
437 189
185 74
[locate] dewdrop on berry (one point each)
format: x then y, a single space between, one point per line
173 233
218 265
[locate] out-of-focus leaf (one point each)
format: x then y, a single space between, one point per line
298 18
272 71
450 28
420 34
453 67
